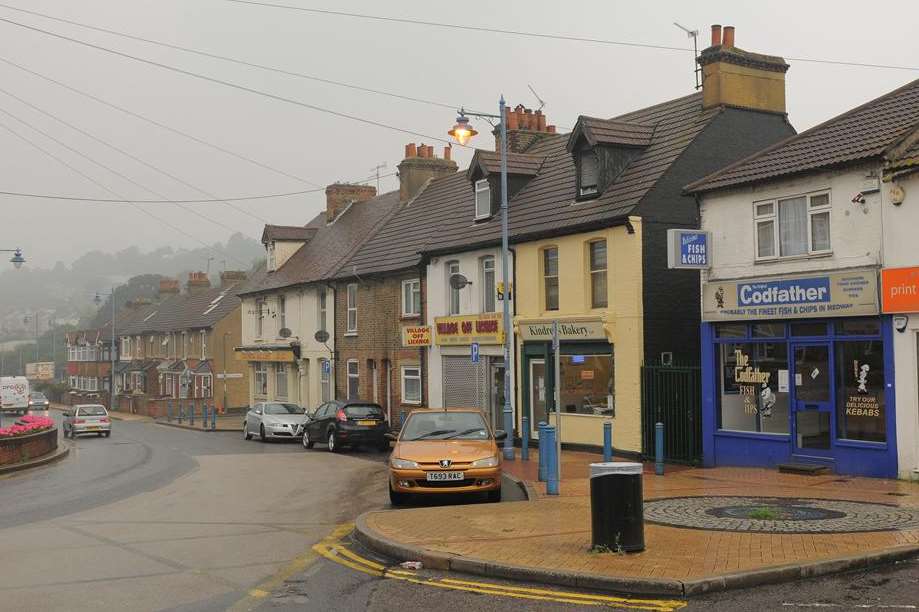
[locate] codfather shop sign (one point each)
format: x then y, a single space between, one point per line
836 294
541 331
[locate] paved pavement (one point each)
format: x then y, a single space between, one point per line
552 534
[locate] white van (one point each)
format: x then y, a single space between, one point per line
14 394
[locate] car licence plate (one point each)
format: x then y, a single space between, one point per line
92 427
441 476
369 423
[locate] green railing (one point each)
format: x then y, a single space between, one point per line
672 395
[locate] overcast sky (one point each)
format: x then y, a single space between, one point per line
444 65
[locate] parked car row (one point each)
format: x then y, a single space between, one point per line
452 450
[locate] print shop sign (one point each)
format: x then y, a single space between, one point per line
839 294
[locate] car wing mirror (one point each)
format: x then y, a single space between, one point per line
390 436
500 434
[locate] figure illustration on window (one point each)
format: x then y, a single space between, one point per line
863 377
719 297
768 400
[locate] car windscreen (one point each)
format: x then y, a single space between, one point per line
363 411
284 409
445 426
38 397
91 411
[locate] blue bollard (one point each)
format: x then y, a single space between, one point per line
543 453
169 411
213 417
181 412
204 415
551 462
191 415
659 449
524 438
607 442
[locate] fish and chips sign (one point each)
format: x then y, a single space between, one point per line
836 294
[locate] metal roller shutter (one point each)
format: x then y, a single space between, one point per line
463 383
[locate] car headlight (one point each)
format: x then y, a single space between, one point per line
486 462
403 464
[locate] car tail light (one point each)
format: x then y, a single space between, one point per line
79 421
341 416
104 420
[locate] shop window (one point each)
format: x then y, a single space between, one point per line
861 408
768 330
488 284
353 379
550 277
411 385
808 329
588 385
793 226
731 330
261 379
858 327
753 387
598 292
280 380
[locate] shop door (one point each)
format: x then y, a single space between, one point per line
538 392
497 394
812 399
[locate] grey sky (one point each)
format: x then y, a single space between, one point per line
456 67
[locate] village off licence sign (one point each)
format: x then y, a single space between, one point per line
688 249
836 294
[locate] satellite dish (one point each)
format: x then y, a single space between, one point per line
321 336
284 332
458 281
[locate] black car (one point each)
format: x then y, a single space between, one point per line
351 423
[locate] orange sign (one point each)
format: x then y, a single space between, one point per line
416 336
900 290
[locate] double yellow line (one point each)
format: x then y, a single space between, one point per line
334 550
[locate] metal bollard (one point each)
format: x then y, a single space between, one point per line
659 449
204 415
191 415
181 412
213 416
607 441
524 438
543 452
169 411
551 462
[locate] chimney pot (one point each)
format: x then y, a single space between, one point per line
540 121
411 150
716 35
448 152
550 129
511 119
728 40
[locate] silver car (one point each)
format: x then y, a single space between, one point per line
274 420
87 418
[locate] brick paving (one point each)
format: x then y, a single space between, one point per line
553 533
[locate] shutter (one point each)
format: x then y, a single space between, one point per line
463 383
590 171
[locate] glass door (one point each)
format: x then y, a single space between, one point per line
812 399
538 391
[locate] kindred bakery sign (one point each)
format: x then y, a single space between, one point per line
836 294
586 329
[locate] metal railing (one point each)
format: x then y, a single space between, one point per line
672 395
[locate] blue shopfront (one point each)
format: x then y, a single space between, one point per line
798 370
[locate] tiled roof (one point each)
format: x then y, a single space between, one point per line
441 218
517 163
332 244
295 233
612 132
861 133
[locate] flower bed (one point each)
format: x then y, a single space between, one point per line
26 425
29 438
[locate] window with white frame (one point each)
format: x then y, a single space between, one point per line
259 317
482 199
353 379
261 379
352 308
126 348
411 298
325 380
73 382
489 291
282 313
453 294
411 384
280 379
207 386
550 277
203 339
598 289
322 309
792 227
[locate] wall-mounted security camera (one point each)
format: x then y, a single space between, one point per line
858 198
900 322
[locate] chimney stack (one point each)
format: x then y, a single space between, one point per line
339 196
737 78
524 127
197 283
231 277
168 287
420 165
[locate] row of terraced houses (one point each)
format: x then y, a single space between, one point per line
794 344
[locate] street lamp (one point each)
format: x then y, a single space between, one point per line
111 385
462 132
17 259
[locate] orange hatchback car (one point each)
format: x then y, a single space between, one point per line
445 451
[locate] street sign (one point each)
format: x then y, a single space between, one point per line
229 375
688 249
474 351
326 366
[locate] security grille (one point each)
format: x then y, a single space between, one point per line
464 383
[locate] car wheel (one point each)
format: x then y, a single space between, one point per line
261 433
396 498
307 443
246 434
494 496
332 446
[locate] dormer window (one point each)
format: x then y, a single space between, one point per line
270 264
588 173
482 199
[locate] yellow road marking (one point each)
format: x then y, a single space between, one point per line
332 549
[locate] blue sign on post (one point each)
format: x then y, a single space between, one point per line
326 366
688 249
474 352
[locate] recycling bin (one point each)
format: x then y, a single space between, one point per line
616 507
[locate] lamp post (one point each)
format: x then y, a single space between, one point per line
111 385
17 259
462 132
